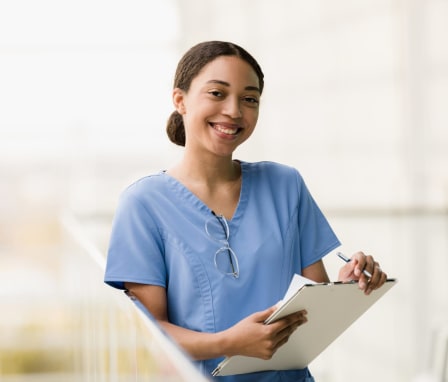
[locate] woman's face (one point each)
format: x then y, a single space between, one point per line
220 110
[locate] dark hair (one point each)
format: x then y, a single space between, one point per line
189 67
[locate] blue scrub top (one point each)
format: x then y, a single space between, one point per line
159 238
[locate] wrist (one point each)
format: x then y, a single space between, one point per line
224 344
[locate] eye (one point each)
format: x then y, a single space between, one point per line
215 93
251 100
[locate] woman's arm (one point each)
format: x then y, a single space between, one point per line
248 337
316 272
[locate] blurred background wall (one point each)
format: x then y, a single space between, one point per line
356 98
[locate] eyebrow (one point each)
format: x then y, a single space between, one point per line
255 88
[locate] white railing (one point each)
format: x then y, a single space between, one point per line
115 340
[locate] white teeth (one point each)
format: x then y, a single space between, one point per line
226 130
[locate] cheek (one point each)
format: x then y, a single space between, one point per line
252 118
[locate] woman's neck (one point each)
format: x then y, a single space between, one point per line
217 183
210 171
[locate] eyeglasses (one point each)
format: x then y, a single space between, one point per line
225 259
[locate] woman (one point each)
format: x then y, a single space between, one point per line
211 244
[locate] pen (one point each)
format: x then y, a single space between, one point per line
346 259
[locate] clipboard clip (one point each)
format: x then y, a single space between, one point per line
216 372
345 282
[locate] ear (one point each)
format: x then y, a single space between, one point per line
179 100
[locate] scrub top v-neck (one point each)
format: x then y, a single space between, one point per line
185 195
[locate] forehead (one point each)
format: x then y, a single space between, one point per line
231 69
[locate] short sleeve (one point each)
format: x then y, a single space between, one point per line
135 251
316 235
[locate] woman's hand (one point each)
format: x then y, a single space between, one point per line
251 337
353 270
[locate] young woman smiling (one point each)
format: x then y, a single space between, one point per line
210 245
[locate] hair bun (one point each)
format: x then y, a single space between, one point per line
175 129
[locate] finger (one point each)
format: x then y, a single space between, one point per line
378 279
372 272
365 263
383 278
263 315
281 342
297 318
347 272
288 323
372 277
363 281
285 334
358 260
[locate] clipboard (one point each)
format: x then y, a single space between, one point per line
332 308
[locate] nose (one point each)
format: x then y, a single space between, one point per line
232 108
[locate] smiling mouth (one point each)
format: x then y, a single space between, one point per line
226 129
